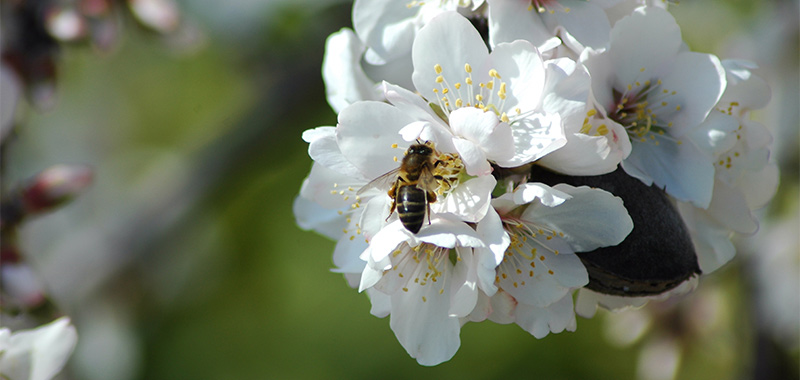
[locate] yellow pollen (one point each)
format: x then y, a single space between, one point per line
641 70
394 158
678 108
438 68
602 130
468 81
591 112
439 79
467 68
457 86
459 102
394 145
541 258
550 271
504 118
493 73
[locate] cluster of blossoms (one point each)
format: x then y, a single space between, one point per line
502 90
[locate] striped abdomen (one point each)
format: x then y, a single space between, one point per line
411 206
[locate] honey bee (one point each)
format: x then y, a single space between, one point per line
413 185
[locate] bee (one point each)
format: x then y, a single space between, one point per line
414 185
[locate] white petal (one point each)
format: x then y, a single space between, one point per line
469 200
464 295
365 135
346 255
749 91
590 219
534 137
329 188
566 89
522 67
448 231
584 155
495 236
699 81
450 41
324 149
729 208
423 325
648 38
511 20
381 303
485 130
311 216
682 170
345 80
541 321
473 157
538 276
716 134
548 196
503 306
586 22
40 353
385 26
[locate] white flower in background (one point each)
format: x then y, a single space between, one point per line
36 354
428 281
661 94
540 270
744 180
579 24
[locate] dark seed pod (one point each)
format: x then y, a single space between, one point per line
657 256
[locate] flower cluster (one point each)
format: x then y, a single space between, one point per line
445 107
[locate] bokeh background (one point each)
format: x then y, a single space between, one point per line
183 259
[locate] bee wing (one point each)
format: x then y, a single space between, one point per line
427 181
384 182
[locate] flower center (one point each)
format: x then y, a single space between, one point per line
424 265
524 252
727 159
490 95
643 108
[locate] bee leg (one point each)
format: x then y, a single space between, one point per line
394 200
430 197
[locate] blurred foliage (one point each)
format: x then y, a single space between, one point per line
227 286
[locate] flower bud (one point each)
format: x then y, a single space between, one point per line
55 186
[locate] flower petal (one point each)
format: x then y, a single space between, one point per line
345 80
365 135
448 40
555 318
589 219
